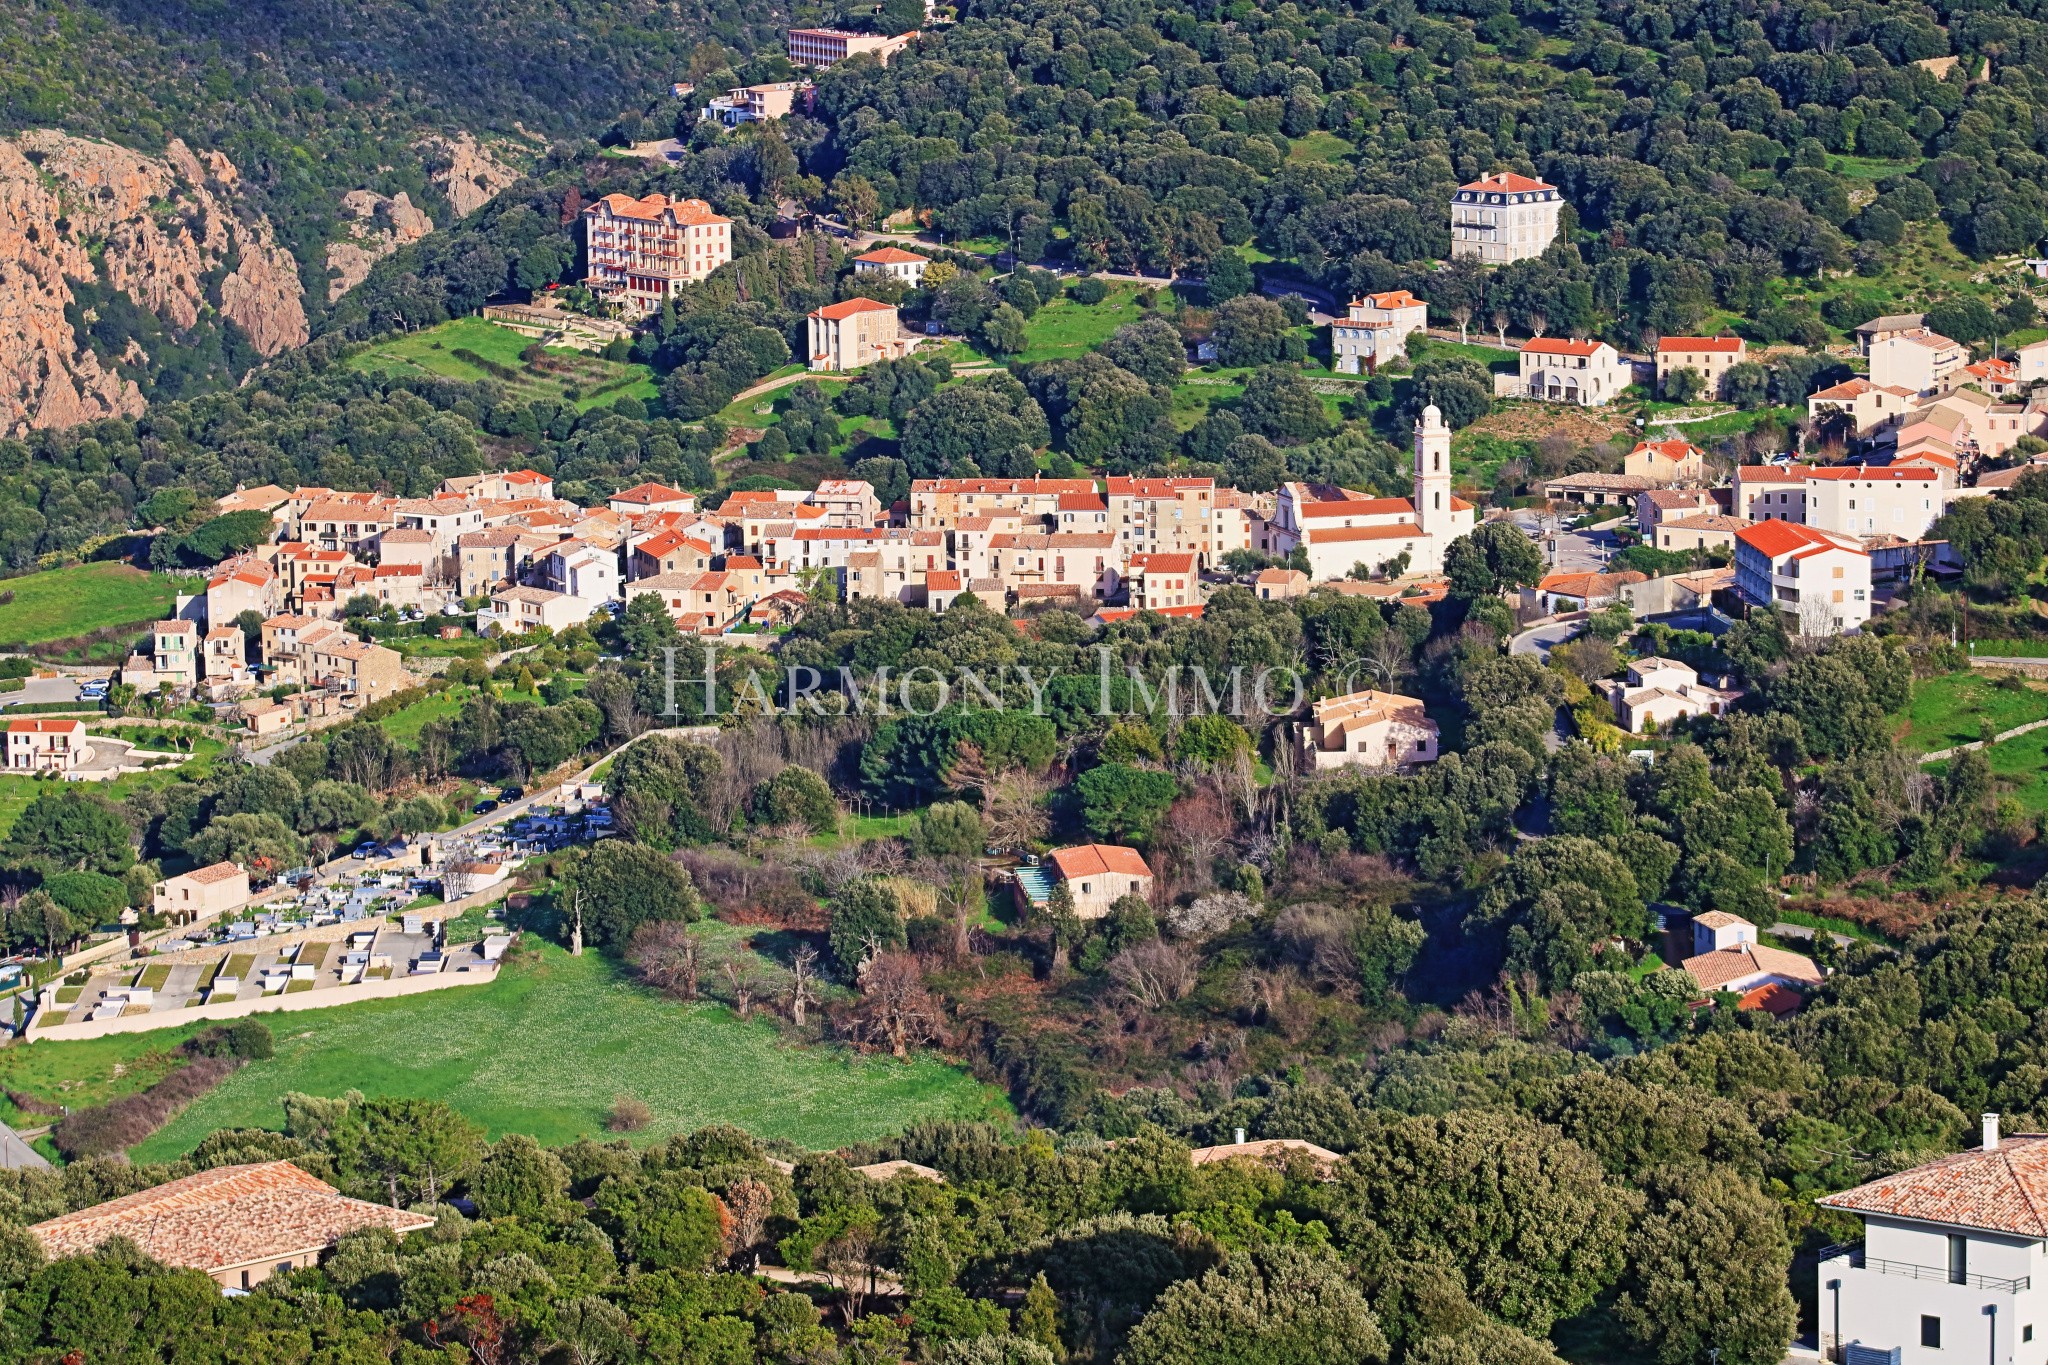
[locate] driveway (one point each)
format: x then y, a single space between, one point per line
44 690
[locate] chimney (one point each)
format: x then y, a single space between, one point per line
1991 1132
1992 1123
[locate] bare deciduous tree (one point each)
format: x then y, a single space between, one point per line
740 981
848 1260
1015 810
668 957
749 1202
803 981
1155 974
896 1009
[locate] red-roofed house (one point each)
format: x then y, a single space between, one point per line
1666 462
892 263
1098 875
1769 492
1954 1259
1588 373
1861 407
1707 357
1339 529
1876 500
1376 331
1163 580
1920 361
1503 217
1163 514
239 1224
1820 578
668 552
854 334
46 745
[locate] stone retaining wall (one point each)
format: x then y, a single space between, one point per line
481 973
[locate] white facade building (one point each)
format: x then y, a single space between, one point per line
1588 373
1340 529
1376 331
1954 1261
1503 217
1819 578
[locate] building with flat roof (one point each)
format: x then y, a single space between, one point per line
819 48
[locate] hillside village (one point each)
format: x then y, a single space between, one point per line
1040 684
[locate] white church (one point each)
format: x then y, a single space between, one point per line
1340 528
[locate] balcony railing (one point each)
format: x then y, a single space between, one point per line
1907 1270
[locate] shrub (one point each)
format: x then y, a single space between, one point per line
629 1114
120 1124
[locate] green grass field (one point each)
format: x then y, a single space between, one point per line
57 604
1951 709
1064 329
405 724
543 1050
1319 146
432 351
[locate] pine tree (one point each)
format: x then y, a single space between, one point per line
1039 1319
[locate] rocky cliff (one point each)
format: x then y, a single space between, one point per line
466 171
377 227
170 232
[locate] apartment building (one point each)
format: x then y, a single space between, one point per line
1864 500
847 502
855 334
671 552
341 663
344 527
488 560
1080 564
1769 492
936 504
1708 357
1863 408
1590 374
1820 579
1376 331
1367 729
174 649
284 640
819 48
224 656
1163 515
1923 363
1503 217
759 103
1163 580
584 572
642 251
242 584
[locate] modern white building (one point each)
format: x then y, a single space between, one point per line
1503 217
892 263
1953 1265
1821 579
1881 500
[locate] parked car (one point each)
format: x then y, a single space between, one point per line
368 850
484 807
512 794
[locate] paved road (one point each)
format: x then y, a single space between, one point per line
1801 931
43 690
1541 638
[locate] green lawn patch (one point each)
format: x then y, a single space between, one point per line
404 725
239 965
154 976
434 351
546 1048
2009 649
1064 329
2021 768
1319 146
89 1072
1950 710
58 604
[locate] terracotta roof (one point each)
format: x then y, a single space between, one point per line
406 535
1774 998
1893 322
836 312
1593 478
2004 1190
1875 473
1279 576
1088 860
1507 182
1356 507
1778 538
1725 345
216 872
1706 521
179 627
1674 450
1674 497
1771 473
1157 488
44 727
893 255
1388 302
1713 919
1162 563
942 580
648 493
1558 346
1337 535
688 212
1716 969
229 1216
1111 615
1588 584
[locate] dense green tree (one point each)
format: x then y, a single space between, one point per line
1277 1305
619 886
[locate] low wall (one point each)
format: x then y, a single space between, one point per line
282 1003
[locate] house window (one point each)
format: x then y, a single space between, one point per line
2027 1332
1958 1260
1930 1332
